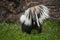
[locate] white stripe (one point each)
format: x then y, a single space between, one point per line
37 20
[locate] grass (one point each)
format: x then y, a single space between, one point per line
50 31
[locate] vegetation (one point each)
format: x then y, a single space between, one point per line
12 31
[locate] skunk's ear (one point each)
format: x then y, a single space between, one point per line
22 18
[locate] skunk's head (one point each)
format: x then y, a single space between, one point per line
25 20
22 18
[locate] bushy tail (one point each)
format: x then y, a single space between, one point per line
45 13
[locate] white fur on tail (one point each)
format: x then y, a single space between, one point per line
37 20
45 13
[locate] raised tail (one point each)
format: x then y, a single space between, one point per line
45 13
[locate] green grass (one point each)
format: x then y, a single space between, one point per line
50 31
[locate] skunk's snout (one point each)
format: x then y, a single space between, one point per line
25 20
22 18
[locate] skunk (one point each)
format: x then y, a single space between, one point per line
33 18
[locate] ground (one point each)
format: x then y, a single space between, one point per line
12 31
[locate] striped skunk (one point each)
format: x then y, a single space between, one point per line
33 18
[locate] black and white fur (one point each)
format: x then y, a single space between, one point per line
33 18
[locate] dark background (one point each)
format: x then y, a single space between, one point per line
10 10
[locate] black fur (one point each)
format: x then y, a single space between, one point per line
28 29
